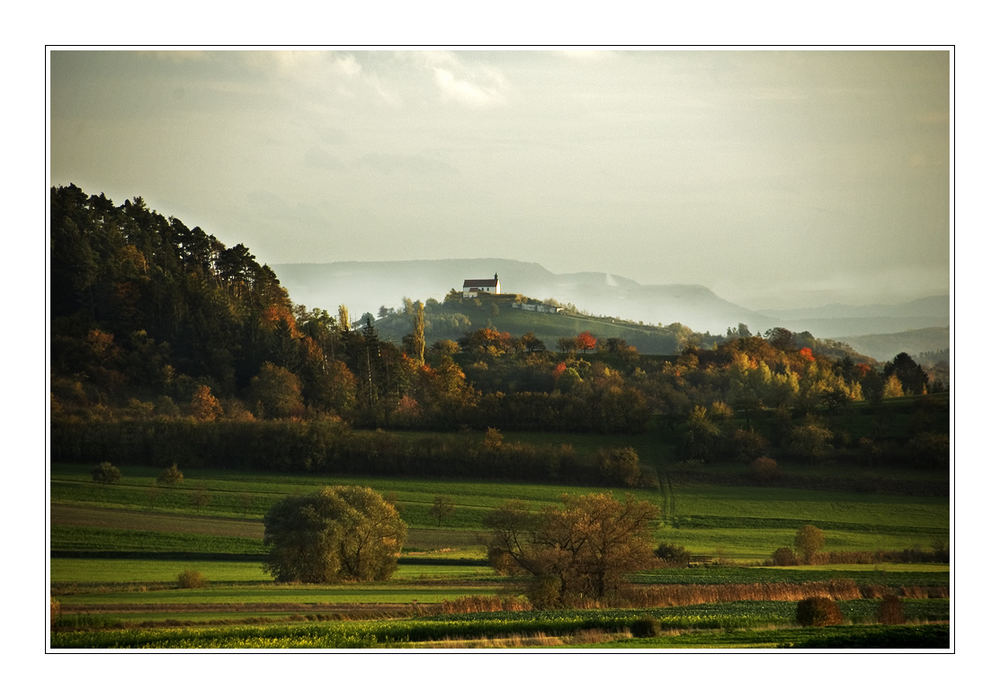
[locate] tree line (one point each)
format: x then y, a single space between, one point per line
154 321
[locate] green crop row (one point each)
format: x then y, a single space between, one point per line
391 633
927 636
923 575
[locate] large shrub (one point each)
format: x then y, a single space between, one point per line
170 476
673 555
104 472
645 627
818 611
784 556
619 466
810 442
764 470
890 610
191 579
335 534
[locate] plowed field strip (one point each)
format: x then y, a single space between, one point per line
82 516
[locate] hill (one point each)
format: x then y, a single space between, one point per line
843 321
365 286
663 316
456 317
885 346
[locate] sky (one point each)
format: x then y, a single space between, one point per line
777 178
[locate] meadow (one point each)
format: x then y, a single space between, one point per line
117 551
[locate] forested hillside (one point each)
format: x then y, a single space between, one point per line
153 322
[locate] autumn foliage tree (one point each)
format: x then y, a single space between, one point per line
586 342
577 553
205 406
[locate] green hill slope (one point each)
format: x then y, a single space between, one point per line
456 316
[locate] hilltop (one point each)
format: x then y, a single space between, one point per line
519 315
365 286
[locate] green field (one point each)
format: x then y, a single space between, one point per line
116 552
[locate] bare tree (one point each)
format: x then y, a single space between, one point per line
576 553
442 509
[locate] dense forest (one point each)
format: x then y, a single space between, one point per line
156 323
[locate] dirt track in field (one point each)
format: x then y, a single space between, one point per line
83 516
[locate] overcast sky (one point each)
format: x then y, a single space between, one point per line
775 178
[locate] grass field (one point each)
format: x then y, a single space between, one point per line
117 551
743 521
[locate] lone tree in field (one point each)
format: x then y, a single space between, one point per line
577 553
442 509
337 534
808 541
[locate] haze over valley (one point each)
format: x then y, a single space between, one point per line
877 330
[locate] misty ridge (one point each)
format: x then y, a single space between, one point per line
877 330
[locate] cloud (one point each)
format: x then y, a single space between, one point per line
348 65
471 85
341 74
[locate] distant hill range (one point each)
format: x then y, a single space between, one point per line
880 331
839 320
365 286
884 347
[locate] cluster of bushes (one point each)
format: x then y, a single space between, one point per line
673 555
107 474
823 611
330 446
